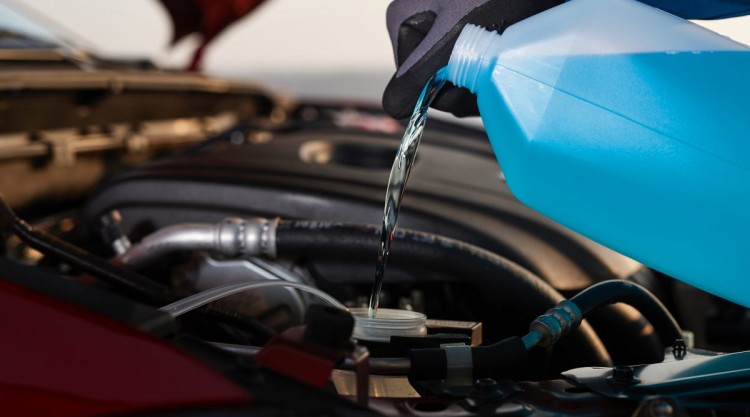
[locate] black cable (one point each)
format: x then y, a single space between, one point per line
124 279
513 285
618 291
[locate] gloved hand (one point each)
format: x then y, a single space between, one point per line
423 33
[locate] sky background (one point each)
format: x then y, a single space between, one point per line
333 48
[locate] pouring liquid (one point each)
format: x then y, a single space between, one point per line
405 157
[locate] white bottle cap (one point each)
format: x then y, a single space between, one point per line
387 323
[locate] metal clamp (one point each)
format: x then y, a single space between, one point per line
548 328
460 364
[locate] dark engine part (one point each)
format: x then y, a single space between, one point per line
332 171
325 174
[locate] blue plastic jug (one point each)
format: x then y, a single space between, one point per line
628 125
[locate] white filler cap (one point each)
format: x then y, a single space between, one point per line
387 323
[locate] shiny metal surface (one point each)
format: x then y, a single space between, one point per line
290 304
699 374
231 237
381 386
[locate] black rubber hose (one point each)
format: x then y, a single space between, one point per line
514 285
616 291
499 360
128 281
124 279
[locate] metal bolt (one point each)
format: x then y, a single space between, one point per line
660 408
679 349
237 138
622 374
485 385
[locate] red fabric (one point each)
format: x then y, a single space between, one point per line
206 17
289 354
59 360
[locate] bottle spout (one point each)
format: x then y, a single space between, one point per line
475 52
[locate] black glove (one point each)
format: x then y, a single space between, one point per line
423 33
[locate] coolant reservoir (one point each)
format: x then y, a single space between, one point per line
387 323
628 125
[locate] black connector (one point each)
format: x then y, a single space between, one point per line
499 360
329 326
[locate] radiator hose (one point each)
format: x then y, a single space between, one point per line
515 286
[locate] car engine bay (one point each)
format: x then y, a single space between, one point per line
162 218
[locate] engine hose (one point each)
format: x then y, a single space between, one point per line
126 280
200 299
259 330
551 326
230 237
513 285
617 291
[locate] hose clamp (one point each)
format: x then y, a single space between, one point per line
250 237
557 322
460 364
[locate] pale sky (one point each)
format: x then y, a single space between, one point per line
282 34
281 41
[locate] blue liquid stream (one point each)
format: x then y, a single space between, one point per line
397 180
